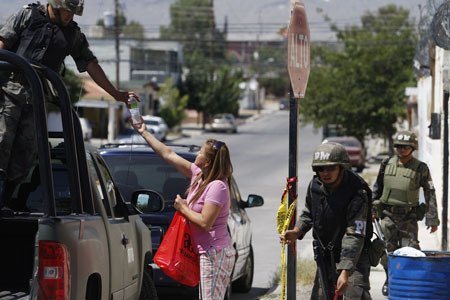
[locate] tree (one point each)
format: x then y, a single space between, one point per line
192 22
133 30
129 30
74 85
173 111
214 89
359 82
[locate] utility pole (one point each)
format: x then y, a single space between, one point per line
116 35
211 31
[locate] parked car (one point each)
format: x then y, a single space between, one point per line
224 122
356 152
139 167
158 125
86 129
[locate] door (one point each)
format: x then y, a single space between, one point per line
122 236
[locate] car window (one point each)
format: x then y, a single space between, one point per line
108 189
31 189
151 122
235 199
349 143
147 172
97 183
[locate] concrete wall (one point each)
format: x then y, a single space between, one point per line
431 101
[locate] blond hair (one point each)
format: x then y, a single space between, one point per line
221 167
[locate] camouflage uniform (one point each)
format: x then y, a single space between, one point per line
396 198
399 224
347 208
17 134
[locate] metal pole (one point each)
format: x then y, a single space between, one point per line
291 288
116 35
445 176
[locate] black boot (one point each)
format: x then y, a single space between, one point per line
385 289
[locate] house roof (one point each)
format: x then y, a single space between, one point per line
94 91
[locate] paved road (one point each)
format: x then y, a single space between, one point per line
259 152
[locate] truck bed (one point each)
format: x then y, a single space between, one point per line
17 255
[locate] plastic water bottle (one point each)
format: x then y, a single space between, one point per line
133 106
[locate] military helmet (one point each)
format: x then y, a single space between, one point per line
75 6
329 154
407 138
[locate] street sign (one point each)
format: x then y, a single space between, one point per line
298 50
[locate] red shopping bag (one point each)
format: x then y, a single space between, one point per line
176 256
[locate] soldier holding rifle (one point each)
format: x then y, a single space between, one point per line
338 210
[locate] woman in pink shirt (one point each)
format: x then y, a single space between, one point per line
207 208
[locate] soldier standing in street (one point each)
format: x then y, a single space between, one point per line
44 34
337 208
396 198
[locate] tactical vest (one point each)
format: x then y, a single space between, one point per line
43 42
330 212
400 186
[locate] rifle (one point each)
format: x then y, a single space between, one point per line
321 268
378 229
380 232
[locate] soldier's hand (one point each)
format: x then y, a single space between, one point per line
433 228
290 236
342 283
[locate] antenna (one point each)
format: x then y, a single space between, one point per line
440 26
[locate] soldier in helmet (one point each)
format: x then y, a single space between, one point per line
337 208
44 34
396 198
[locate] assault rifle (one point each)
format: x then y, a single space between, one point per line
378 229
322 269
380 233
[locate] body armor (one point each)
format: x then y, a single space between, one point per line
331 212
400 186
43 42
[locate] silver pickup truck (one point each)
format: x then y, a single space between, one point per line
70 234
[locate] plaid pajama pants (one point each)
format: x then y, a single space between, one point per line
215 272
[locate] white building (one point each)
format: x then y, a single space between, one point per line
432 110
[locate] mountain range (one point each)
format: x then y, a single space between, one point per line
246 19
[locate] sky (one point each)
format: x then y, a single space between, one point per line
247 19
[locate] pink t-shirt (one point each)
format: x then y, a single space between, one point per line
218 193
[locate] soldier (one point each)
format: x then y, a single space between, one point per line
396 198
44 34
338 209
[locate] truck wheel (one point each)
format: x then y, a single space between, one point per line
244 284
148 290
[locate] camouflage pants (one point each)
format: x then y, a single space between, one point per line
358 283
17 138
399 231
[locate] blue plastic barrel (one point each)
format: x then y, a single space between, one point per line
419 278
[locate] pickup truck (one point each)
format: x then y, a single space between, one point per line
70 234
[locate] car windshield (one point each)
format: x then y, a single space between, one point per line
349 143
151 122
132 173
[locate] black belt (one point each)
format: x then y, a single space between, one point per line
398 210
